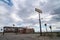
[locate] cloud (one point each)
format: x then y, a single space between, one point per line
16 18
3 10
7 2
22 12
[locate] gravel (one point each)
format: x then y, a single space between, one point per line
12 36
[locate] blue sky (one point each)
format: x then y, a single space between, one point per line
22 13
7 2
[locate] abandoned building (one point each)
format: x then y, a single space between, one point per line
23 30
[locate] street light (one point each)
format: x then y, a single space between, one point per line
39 11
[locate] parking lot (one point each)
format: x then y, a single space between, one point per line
13 36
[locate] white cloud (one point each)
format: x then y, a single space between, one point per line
36 25
56 25
44 16
3 10
15 2
22 1
38 2
33 16
18 5
16 18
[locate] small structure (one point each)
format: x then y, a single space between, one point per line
21 30
29 30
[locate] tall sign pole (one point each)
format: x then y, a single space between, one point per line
39 11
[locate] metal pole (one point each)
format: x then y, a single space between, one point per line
40 25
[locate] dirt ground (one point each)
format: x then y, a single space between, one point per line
13 36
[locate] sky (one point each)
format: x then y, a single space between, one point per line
22 13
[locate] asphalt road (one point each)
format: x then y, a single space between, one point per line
12 36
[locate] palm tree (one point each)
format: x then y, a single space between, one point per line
1 29
13 25
46 26
50 28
